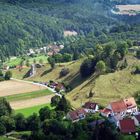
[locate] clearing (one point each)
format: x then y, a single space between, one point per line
128 9
13 87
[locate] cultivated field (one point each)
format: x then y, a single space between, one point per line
128 9
13 87
31 102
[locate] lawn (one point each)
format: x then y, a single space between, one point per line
30 95
29 111
17 61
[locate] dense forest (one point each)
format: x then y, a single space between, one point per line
32 24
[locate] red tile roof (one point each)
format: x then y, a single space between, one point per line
118 106
74 115
105 111
127 126
90 105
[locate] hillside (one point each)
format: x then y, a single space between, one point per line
106 88
32 25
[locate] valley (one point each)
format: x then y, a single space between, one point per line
69 70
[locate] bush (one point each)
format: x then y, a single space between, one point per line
64 72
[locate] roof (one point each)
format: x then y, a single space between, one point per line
130 102
118 106
106 111
137 117
127 126
74 115
90 105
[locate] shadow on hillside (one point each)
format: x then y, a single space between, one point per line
27 74
75 80
91 80
46 72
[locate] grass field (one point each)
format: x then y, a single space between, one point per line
29 111
29 95
17 61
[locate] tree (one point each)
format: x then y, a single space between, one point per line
8 75
20 122
67 57
122 48
8 122
63 105
51 62
2 129
86 68
138 54
100 67
33 122
1 73
27 63
44 113
5 108
55 100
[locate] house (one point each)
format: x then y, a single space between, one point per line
117 107
136 119
91 107
106 112
127 126
131 105
121 107
76 115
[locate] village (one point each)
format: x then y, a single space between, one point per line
124 114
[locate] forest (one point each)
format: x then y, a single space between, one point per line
33 24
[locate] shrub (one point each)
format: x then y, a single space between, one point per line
64 72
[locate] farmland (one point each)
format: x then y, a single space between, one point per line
24 95
13 87
128 9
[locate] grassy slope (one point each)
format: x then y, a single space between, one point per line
45 73
107 87
29 111
29 95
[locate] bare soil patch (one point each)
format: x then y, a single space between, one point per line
31 102
13 87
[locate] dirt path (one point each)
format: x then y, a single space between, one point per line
13 87
31 102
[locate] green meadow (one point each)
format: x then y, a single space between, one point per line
29 111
